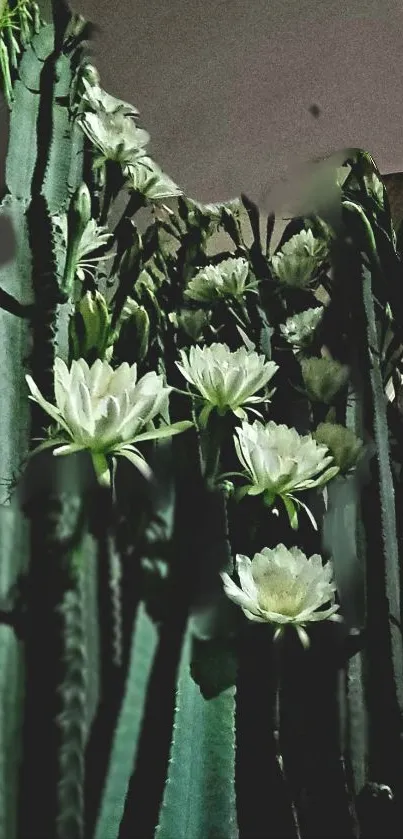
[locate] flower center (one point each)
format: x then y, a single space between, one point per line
281 593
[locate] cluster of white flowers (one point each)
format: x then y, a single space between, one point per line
110 412
110 125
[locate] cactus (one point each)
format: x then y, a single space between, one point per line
200 521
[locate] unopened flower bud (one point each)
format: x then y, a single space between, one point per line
342 443
323 378
134 332
193 322
79 212
89 327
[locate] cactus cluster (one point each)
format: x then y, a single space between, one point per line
201 452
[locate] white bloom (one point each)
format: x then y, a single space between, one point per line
105 410
228 278
278 462
146 177
299 258
282 586
99 100
215 211
226 380
299 329
115 135
93 237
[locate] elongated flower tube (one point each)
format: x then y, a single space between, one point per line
279 462
226 380
227 279
105 411
283 587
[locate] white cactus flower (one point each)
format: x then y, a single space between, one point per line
146 177
226 380
215 211
279 462
227 279
93 237
298 259
105 411
283 587
299 329
116 136
98 99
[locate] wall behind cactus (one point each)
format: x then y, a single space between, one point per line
225 86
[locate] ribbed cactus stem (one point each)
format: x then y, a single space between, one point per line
72 720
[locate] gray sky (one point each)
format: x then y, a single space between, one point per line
224 86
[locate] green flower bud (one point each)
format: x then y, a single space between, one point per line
134 333
91 74
129 308
192 322
78 216
89 327
323 378
79 212
342 443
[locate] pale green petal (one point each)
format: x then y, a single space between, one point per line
303 637
69 448
47 444
238 596
136 460
50 409
164 431
244 569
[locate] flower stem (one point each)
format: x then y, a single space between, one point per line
211 441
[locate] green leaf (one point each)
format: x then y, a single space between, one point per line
199 799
